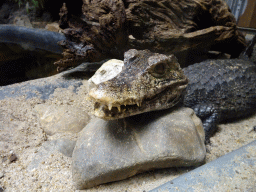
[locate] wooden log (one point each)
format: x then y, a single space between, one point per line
110 27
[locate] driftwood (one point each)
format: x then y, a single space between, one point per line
110 27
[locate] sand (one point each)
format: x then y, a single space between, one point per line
21 134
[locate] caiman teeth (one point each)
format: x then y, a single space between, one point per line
115 107
109 107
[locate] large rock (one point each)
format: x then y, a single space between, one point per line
114 150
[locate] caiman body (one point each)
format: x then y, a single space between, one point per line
216 89
219 90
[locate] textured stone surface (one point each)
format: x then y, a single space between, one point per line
66 118
114 150
65 146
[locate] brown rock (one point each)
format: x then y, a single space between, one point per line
56 119
22 21
53 27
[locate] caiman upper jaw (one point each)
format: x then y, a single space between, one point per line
111 111
107 107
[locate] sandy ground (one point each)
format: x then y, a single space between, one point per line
21 134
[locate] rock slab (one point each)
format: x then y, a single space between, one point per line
109 151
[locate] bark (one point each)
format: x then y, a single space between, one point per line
171 26
100 34
110 27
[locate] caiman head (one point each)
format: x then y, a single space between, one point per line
145 82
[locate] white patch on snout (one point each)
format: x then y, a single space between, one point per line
107 71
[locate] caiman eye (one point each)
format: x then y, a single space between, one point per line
159 70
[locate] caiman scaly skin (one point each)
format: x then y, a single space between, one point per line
217 90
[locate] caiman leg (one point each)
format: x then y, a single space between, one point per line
210 116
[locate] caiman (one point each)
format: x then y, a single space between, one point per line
217 90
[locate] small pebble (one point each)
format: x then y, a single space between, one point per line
1 175
253 129
1 189
4 159
13 157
